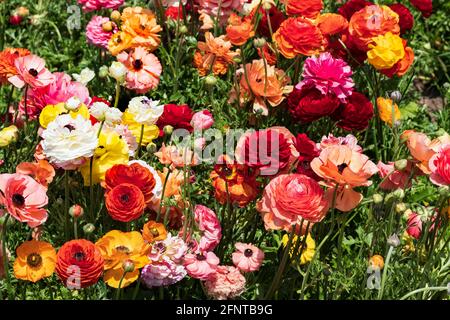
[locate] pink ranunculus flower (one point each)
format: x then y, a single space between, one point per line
226 283
202 120
439 165
144 69
329 75
95 33
24 198
91 5
31 71
209 224
414 225
201 265
349 140
162 273
397 179
247 257
223 8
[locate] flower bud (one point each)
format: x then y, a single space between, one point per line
103 72
128 266
399 194
377 198
8 135
406 214
237 59
259 42
76 211
396 96
107 26
400 207
59 201
267 5
73 104
15 20
88 228
377 262
115 16
117 71
210 80
393 240
22 12
168 129
151 147
183 29
444 190
400 164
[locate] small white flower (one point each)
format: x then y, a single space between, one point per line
73 104
102 112
145 110
118 71
85 76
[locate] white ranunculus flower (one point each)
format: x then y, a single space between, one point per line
85 76
128 136
73 104
118 71
67 142
145 110
102 112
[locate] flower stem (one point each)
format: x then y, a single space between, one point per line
5 258
116 100
119 289
383 279
158 216
140 140
66 203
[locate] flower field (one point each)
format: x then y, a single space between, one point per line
224 149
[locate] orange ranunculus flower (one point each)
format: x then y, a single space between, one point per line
119 247
79 264
119 42
342 165
154 231
377 261
370 22
141 25
42 171
125 202
219 67
241 180
388 110
298 36
265 83
239 30
177 157
402 66
35 260
7 58
331 23
306 8
268 53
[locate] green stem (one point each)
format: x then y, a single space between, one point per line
140 140
5 258
423 290
386 266
116 100
158 216
66 204
120 286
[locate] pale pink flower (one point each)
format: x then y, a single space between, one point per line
201 265
349 140
397 179
31 71
226 283
209 225
173 248
91 5
414 225
223 8
24 198
328 75
143 67
95 33
439 165
247 258
202 120
162 273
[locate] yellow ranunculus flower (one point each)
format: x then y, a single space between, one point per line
8 135
111 150
385 107
308 252
150 132
50 112
386 52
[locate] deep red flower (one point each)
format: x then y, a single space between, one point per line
174 13
309 104
125 202
177 116
406 18
15 19
306 147
276 18
352 6
424 6
355 114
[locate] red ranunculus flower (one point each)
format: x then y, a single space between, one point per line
174 13
309 8
135 174
306 147
309 104
177 116
79 264
125 202
406 18
352 6
424 6
276 18
355 114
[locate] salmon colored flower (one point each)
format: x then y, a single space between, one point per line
388 110
117 248
394 178
154 231
306 8
239 30
79 264
7 66
31 71
439 165
370 22
177 157
35 260
386 51
42 171
119 41
247 257
266 84
209 226
226 283
202 265
141 25
23 198
290 199
298 36
125 202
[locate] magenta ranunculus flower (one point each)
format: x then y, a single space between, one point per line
91 5
162 273
247 257
96 34
440 166
209 224
226 283
414 225
328 75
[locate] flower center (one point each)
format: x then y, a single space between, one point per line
33 72
201 257
123 249
70 127
248 253
18 199
79 256
341 167
125 197
154 232
34 260
137 64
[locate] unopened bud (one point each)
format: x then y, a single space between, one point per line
103 72
183 29
168 129
107 26
400 207
377 261
400 164
88 228
444 190
115 16
76 211
406 214
128 266
259 42
377 198
267 5
210 80
151 147
237 59
399 194
396 96
393 240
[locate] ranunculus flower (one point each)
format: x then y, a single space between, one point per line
31 71
440 166
8 135
154 231
306 8
221 9
414 225
406 18
91 5
162 273
96 33
355 114
7 66
35 260
424 6
125 202
41 171
144 110
24 198
352 6
174 12
309 104
142 28
276 18
247 257
239 30
202 120
386 51
290 198
397 179
388 110
403 65
331 24
79 264
201 265
209 225
177 116
226 283
298 36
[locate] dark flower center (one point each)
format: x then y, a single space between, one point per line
201 257
34 260
125 197
79 256
33 72
70 127
123 249
341 167
137 64
154 232
18 199
248 253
